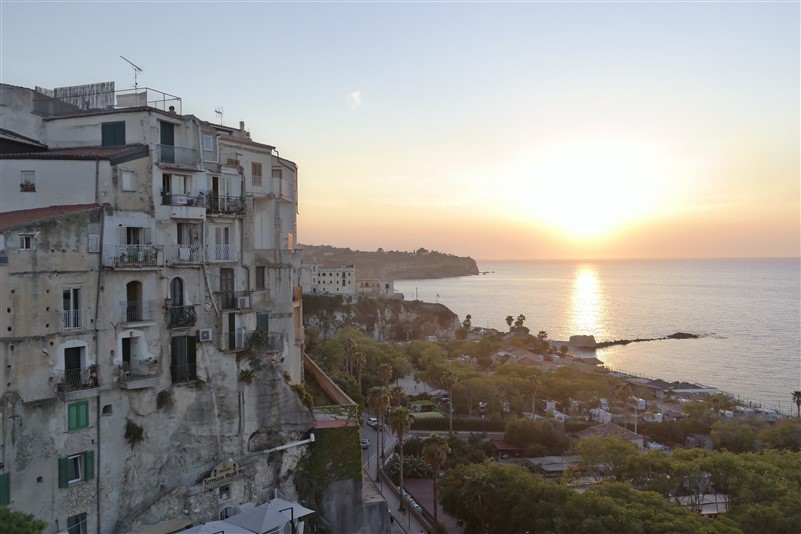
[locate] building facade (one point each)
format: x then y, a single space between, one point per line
152 313
320 280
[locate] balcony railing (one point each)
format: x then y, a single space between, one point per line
181 316
74 320
265 343
183 199
183 372
222 253
235 300
187 253
121 256
236 340
76 379
224 204
176 154
138 311
68 101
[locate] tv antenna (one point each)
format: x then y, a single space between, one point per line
136 69
219 111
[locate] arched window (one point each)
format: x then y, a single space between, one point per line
177 291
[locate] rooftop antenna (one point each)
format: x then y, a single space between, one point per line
219 111
136 69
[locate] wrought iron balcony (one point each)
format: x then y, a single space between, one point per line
183 372
181 316
75 320
134 311
183 199
236 340
224 204
176 155
139 374
76 379
130 256
222 253
187 253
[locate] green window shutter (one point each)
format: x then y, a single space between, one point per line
62 473
112 133
83 415
72 417
5 489
89 465
77 415
263 322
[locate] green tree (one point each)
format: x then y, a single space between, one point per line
435 452
397 396
797 401
20 523
509 321
519 321
378 401
734 436
784 434
467 323
384 374
400 421
448 379
602 458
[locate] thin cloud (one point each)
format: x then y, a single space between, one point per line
355 99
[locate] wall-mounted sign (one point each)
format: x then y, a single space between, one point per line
224 472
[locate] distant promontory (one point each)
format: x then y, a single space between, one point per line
393 264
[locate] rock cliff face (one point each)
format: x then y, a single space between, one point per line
392 265
379 318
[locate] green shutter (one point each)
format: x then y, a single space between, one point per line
263 322
112 133
77 415
72 417
62 473
83 415
89 465
5 489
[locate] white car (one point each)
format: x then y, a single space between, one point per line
372 422
365 444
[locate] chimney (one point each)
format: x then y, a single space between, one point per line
242 126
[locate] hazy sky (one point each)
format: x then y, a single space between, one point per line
495 130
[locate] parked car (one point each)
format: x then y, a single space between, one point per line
366 444
373 422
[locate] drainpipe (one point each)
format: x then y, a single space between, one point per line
291 444
97 359
97 181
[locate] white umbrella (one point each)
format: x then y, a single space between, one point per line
216 527
268 516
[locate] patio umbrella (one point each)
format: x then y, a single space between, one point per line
268 516
216 527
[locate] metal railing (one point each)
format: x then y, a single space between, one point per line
237 340
54 104
130 256
224 204
138 369
222 253
75 379
181 316
138 311
186 372
235 300
74 320
187 253
176 154
183 199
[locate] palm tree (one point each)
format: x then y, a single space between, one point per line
533 385
350 348
520 320
797 401
509 321
400 421
396 396
378 400
448 379
435 452
622 393
384 374
359 360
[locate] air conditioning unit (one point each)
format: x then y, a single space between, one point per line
205 334
243 303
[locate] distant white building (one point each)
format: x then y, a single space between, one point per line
315 279
376 288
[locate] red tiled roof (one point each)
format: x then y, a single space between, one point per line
15 218
241 141
81 152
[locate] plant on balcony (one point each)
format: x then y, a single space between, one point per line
246 375
27 186
164 400
133 433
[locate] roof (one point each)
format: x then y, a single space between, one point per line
243 141
16 218
501 445
608 429
8 135
114 154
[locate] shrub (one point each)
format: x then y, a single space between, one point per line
133 433
164 400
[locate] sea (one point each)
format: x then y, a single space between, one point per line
747 313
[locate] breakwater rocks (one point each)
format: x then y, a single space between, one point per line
677 335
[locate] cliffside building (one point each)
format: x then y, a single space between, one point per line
151 312
317 280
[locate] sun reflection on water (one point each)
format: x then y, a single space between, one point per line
586 317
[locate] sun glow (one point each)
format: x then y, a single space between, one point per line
590 188
587 313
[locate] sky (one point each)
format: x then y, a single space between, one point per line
503 130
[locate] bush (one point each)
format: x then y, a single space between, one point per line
133 433
164 400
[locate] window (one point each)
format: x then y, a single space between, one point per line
26 241
208 143
94 243
128 181
183 364
27 181
225 492
5 489
256 170
76 468
260 277
113 133
71 309
76 524
77 416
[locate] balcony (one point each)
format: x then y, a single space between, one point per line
235 300
236 340
181 316
186 254
139 374
182 373
138 311
75 320
229 205
77 384
221 253
176 155
130 256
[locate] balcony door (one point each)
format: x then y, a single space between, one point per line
71 301
222 243
227 289
134 304
167 142
72 366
